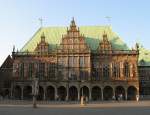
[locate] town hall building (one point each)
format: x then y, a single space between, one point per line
71 62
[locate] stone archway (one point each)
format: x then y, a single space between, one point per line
73 93
96 93
108 93
132 92
27 93
62 93
6 93
84 91
17 92
50 93
40 93
119 90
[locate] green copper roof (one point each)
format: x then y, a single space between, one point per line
144 56
93 36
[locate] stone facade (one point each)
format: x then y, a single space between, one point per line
73 70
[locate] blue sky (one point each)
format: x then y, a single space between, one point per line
19 19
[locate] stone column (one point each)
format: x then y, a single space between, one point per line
78 94
44 93
90 96
67 89
113 91
11 91
126 94
121 70
102 95
56 94
22 87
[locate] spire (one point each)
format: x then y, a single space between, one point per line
105 36
43 37
137 46
13 48
73 25
73 22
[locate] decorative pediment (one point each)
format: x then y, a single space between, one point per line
42 47
73 41
105 45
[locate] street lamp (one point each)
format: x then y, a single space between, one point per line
35 91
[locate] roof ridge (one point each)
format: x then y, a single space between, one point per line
31 37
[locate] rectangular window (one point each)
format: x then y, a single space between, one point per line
72 75
41 72
21 71
75 61
81 61
30 70
83 74
51 71
70 61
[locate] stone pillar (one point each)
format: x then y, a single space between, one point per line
67 89
44 93
131 70
113 91
56 94
121 70
102 97
90 95
11 91
22 87
126 94
78 94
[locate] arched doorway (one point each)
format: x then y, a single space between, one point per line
96 93
84 91
6 93
120 92
50 93
132 92
40 93
27 93
62 93
17 92
108 93
73 93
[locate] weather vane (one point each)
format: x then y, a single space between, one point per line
41 22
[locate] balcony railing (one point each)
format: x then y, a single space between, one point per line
103 52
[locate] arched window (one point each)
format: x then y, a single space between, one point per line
106 72
126 70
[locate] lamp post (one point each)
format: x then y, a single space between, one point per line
35 91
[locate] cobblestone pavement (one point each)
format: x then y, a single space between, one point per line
105 108
74 111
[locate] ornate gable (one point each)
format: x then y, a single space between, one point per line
42 47
73 41
105 46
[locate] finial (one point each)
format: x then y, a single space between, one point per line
137 46
72 18
43 37
13 48
105 36
73 22
41 22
